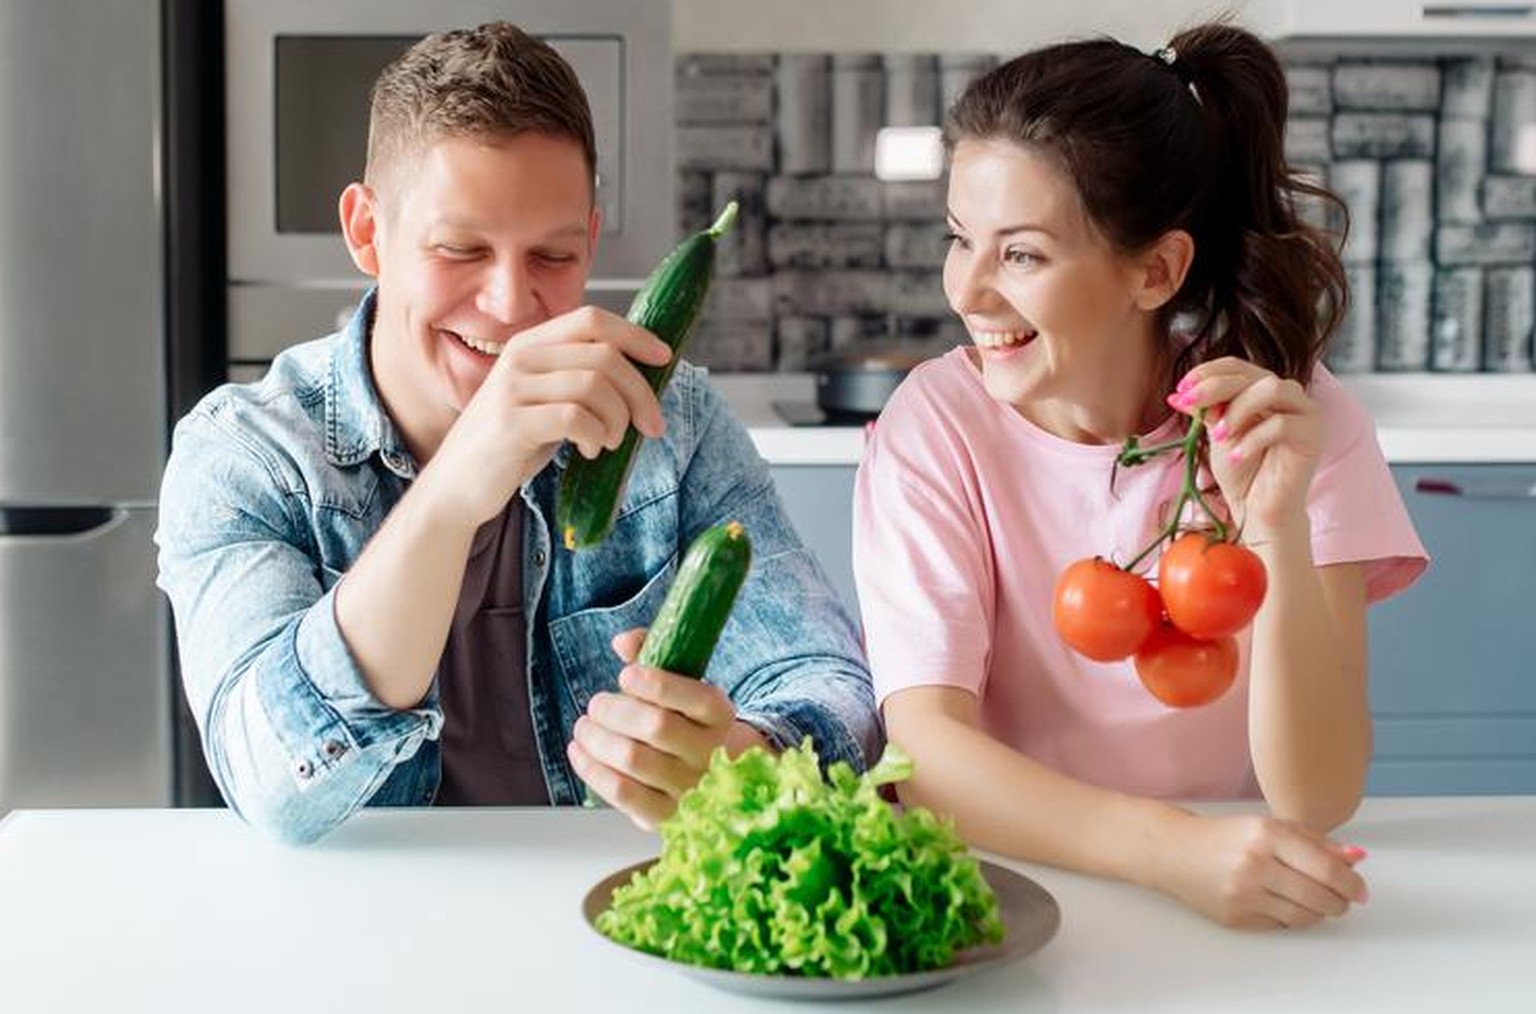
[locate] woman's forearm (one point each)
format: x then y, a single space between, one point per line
1004 802
1309 715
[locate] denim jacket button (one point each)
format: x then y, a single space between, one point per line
538 558
333 749
303 769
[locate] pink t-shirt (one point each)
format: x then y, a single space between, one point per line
965 513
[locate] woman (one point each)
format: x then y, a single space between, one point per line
1097 195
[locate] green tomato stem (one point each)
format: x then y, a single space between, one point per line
1189 490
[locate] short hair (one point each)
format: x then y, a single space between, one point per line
491 81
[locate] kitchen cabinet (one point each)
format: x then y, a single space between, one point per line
1451 690
874 26
1390 18
819 500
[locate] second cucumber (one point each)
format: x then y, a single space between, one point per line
682 637
666 305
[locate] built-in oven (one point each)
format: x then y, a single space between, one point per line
298 74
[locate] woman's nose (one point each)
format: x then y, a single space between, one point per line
967 283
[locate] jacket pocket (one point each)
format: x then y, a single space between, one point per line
581 639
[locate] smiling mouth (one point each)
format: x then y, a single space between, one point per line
480 345
1002 339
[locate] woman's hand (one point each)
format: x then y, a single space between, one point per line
1266 435
641 749
1256 872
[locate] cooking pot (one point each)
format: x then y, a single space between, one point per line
852 386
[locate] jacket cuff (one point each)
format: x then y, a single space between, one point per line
788 725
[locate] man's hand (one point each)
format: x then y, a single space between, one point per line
573 377
641 749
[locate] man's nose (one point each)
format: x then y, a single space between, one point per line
507 293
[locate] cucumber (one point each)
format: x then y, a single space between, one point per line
683 635
666 305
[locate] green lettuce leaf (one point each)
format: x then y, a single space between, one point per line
769 868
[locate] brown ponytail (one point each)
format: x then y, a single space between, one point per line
1192 139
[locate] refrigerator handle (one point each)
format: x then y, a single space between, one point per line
59 521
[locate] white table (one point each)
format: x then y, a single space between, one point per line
478 910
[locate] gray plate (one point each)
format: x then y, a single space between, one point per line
1030 917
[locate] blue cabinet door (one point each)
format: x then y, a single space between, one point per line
1452 684
819 501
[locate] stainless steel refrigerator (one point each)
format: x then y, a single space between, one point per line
86 698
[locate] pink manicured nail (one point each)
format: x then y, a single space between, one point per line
1185 383
1354 853
1219 431
1175 400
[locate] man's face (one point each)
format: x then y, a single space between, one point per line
474 240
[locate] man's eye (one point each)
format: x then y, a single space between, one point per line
451 250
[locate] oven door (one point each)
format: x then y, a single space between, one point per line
298 76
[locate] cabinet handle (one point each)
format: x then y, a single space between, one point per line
1491 12
1436 486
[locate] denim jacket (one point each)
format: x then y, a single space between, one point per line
273 488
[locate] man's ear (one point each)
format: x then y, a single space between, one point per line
1164 266
360 226
594 228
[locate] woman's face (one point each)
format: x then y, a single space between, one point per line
1046 298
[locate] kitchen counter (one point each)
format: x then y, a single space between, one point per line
464 910
1420 418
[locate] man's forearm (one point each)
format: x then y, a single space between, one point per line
395 605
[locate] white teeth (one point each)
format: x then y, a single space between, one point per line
489 348
997 339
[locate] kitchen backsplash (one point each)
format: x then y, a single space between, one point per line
1435 159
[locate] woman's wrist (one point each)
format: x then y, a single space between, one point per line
1280 533
1154 844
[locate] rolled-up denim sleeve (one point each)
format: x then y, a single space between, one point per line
789 656
294 739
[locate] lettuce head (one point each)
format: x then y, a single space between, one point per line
769 868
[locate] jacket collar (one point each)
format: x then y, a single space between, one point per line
356 424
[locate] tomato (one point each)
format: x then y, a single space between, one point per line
1102 611
1210 588
1184 671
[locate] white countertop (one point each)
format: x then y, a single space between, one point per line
1420 418
167 911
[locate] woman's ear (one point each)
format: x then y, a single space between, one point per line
1164 266
360 227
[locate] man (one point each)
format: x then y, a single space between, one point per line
371 609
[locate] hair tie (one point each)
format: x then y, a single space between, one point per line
1169 57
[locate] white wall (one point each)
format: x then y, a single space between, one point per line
1000 26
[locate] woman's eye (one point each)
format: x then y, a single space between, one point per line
955 239
1013 255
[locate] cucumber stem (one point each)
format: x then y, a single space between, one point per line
724 222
